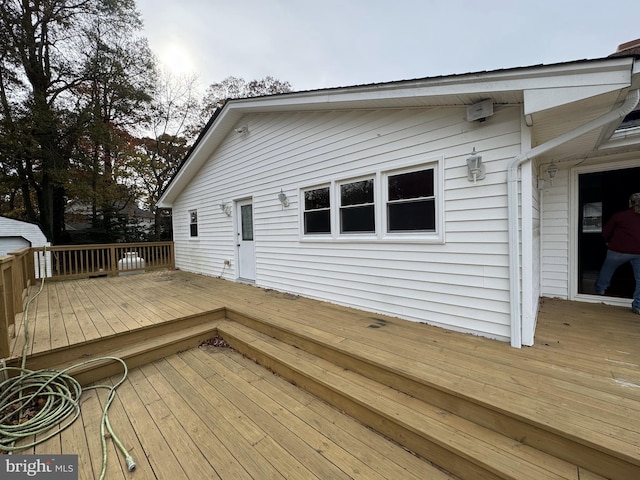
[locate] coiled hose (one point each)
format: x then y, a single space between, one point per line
34 402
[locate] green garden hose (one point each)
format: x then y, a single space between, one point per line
34 402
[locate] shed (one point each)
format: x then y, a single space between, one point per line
457 201
15 234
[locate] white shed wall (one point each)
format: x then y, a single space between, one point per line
15 235
10 227
11 244
461 284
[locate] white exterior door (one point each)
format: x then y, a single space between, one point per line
245 243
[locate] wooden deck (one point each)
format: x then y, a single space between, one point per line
210 413
585 355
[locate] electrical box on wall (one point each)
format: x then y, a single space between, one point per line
480 111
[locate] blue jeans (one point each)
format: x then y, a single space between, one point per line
611 264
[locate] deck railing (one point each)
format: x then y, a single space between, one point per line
16 275
20 269
84 261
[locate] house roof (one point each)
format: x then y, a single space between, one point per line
553 97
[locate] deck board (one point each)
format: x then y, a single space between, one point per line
287 427
586 356
211 413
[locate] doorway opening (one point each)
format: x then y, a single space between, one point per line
600 195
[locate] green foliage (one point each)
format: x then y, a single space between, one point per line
88 128
73 77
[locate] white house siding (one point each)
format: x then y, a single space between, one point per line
461 283
559 222
555 237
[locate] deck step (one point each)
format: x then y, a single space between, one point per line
451 442
505 414
136 347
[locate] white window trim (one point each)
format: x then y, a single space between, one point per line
189 212
438 192
338 206
317 236
380 195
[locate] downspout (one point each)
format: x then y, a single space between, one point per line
512 198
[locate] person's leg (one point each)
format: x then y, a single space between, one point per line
610 265
635 263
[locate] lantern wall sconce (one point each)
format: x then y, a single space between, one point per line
282 197
550 173
225 208
475 167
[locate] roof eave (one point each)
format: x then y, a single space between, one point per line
391 95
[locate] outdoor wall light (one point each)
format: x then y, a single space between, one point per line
550 173
475 167
242 130
283 199
226 208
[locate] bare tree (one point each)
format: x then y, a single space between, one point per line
172 115
233 87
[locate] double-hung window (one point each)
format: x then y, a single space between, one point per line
357 207
411 203
317 211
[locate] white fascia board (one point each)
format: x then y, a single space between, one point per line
586 73
579 85
200 154
540 99
615 72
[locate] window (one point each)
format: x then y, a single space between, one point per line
246 214
411 203
402 204
193 220
357 207
317 211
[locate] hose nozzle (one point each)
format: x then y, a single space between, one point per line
131 464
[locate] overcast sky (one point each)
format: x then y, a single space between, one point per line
330 43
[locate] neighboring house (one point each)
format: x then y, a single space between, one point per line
371 196
15 234
78 217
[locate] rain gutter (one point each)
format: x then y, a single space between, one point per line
512 198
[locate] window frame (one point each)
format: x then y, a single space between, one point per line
304 211
381 193
193 212
374 204
427 236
